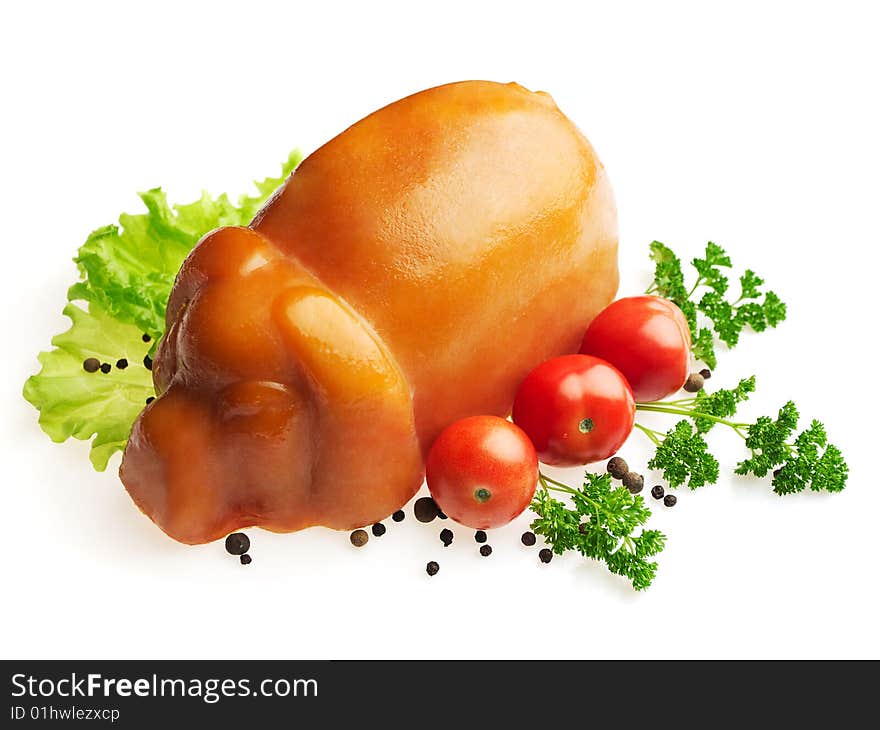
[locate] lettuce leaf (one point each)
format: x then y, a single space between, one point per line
129 269
75 403
127 272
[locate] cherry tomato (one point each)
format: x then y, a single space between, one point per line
482 471
647 339
576 409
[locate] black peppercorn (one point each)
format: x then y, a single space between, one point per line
480 536
545 555
617 467
486 551
378 529
148 362
122 363
246 559
359 538
706 373
432 568
151 399
398 516
91 364
425 509
446 537
237 543
528 539
145 337
633 482
105 367
657 492
669 500
693 383
441 515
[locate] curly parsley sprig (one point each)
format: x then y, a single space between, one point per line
706 300
797 462
600 524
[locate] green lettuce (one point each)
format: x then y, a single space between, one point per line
129 269
126 275
83 405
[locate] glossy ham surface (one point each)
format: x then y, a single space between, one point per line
409 273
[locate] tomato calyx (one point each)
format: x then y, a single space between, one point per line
586 425
482 494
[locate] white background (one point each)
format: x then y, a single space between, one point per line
754 126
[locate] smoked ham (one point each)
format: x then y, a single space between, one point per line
409 273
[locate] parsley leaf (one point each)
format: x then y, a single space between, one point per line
703 347
601 524
683 457
707 299
797 462
749 283
808 460
709 267
668 277
722 403
773 308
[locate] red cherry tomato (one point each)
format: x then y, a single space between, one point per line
576 409
482 471
647 339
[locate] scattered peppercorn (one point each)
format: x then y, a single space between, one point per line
545 555
480 536
446 537
706 373
105 367
657 492
693 383
398 516
148 362
432 568
582 528
617 467
246 559
359 538
91 364
441 515
237 543
669 500
528 538
122 363
151 399
145 337
486 551
378 529
633 482
776 472
425 509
